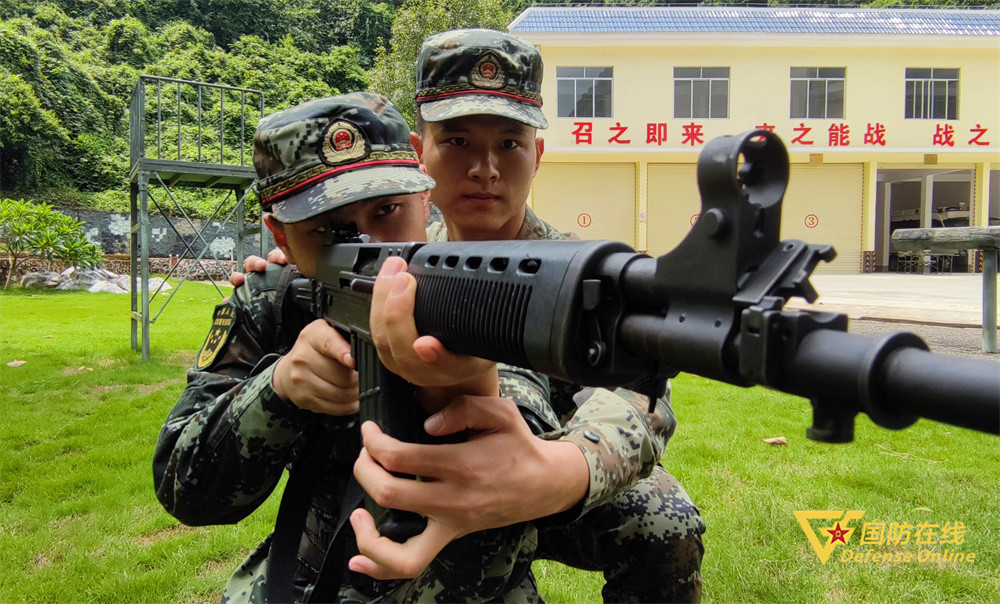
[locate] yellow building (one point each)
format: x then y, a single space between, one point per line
891 118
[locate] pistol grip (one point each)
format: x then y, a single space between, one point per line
402 525
388 400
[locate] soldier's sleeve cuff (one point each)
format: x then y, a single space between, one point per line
530 392
606 431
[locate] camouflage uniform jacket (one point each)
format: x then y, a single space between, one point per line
227 441
620 439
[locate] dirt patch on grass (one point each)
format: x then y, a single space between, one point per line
167 533
69 451
61 523
183 358
76 370
138 388
213 567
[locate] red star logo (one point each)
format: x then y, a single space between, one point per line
838 534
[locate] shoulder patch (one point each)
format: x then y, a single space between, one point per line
222 324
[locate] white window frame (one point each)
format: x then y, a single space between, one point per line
697 92
597 82
814 92
931 93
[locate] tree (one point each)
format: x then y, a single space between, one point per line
127 41
393 72
32 229
230 19
50 96
31 136
362 24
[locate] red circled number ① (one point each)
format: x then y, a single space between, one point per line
584 220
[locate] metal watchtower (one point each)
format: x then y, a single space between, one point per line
188 135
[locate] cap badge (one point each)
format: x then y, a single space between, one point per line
487 73
342 142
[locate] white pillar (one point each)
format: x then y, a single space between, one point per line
927 210
926 201
885 235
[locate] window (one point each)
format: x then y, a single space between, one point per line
931 94
701 92
584 91
817 92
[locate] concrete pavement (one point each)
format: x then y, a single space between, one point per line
944 310
954 300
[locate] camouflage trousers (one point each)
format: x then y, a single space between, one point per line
647 542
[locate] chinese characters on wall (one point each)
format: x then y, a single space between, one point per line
838 134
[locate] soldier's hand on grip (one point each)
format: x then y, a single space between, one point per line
318 372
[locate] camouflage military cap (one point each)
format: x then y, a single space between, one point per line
330 152
479 71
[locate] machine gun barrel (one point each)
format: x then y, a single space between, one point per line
894 380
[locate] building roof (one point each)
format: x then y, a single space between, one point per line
778 20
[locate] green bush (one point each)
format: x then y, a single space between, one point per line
39 230
112 200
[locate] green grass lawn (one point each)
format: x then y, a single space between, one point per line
79 521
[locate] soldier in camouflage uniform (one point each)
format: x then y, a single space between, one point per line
245 416
478 107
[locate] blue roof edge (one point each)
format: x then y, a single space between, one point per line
967 21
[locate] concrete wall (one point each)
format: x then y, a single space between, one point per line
111 231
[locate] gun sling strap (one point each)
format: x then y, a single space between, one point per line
282 557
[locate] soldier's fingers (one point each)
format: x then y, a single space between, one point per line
323 375
254 264
382 558
398 317
236 279
311 390
308 365
385 489
383 286
480 413
458 367
392 455
429 349
277 256
326 340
